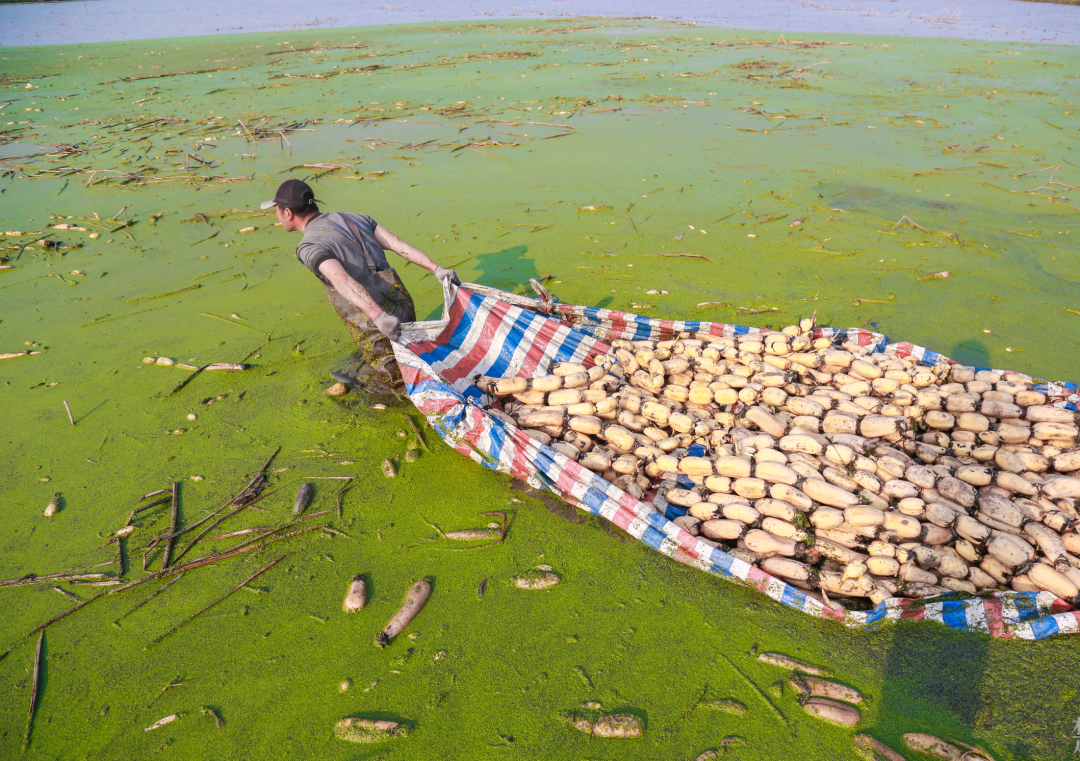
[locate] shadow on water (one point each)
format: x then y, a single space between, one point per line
972 352
507 270
933 671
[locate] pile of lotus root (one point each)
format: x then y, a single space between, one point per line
844 472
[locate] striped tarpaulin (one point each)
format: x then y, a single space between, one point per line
482 335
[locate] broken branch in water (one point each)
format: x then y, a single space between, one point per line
683 256
911 223
243 583
172 526
341 493
34 690
187 380
151 597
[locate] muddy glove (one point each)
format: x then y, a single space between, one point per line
389 326
441 273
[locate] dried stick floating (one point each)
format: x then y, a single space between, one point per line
172 526
34 690
243 583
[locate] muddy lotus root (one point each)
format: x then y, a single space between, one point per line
846 472
366 731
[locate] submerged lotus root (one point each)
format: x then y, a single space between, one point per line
367 731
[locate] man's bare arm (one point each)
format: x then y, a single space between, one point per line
350 290
407 251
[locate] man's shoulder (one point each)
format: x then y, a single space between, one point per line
332 222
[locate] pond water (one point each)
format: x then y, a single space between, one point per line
737 171
83 21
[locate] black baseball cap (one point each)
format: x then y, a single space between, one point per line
292 193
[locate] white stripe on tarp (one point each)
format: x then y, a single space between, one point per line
774 588
1023 631
975 614
1009 612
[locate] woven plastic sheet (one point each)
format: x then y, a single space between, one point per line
499 335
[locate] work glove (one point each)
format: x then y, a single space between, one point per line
441 273
389 326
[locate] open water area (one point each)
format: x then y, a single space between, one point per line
922 187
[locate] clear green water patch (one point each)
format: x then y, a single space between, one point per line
923 188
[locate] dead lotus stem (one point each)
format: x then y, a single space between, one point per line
199 562
67 613
34 690
243 583
172 525
70 418
765 698
338 497
248 492
151 597
155 503
215 524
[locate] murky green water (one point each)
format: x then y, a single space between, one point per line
693 142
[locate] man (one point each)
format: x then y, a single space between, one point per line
346 252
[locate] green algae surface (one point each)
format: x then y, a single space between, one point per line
924 188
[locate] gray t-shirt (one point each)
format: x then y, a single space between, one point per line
328 236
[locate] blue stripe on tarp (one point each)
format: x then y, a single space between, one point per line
722 560
954 614
742 330
433 385
796 598
1026 608
720 570
671 512
514 338
593 500
642 331
569 345
656 520
653 538
499 436
473 394
442 351
696 450
878 614
1044 627
684 482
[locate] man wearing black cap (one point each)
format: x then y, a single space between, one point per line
346 252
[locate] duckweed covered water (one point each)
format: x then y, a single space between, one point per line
737 172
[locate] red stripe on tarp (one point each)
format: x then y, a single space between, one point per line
413 375
683 557
457 311
519 457
623 518
914 614
436 406
995 622
1060 606
758 579
836 614
687 544
477 428
539 346
489 330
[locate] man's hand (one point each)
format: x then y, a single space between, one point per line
441 274
389 326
